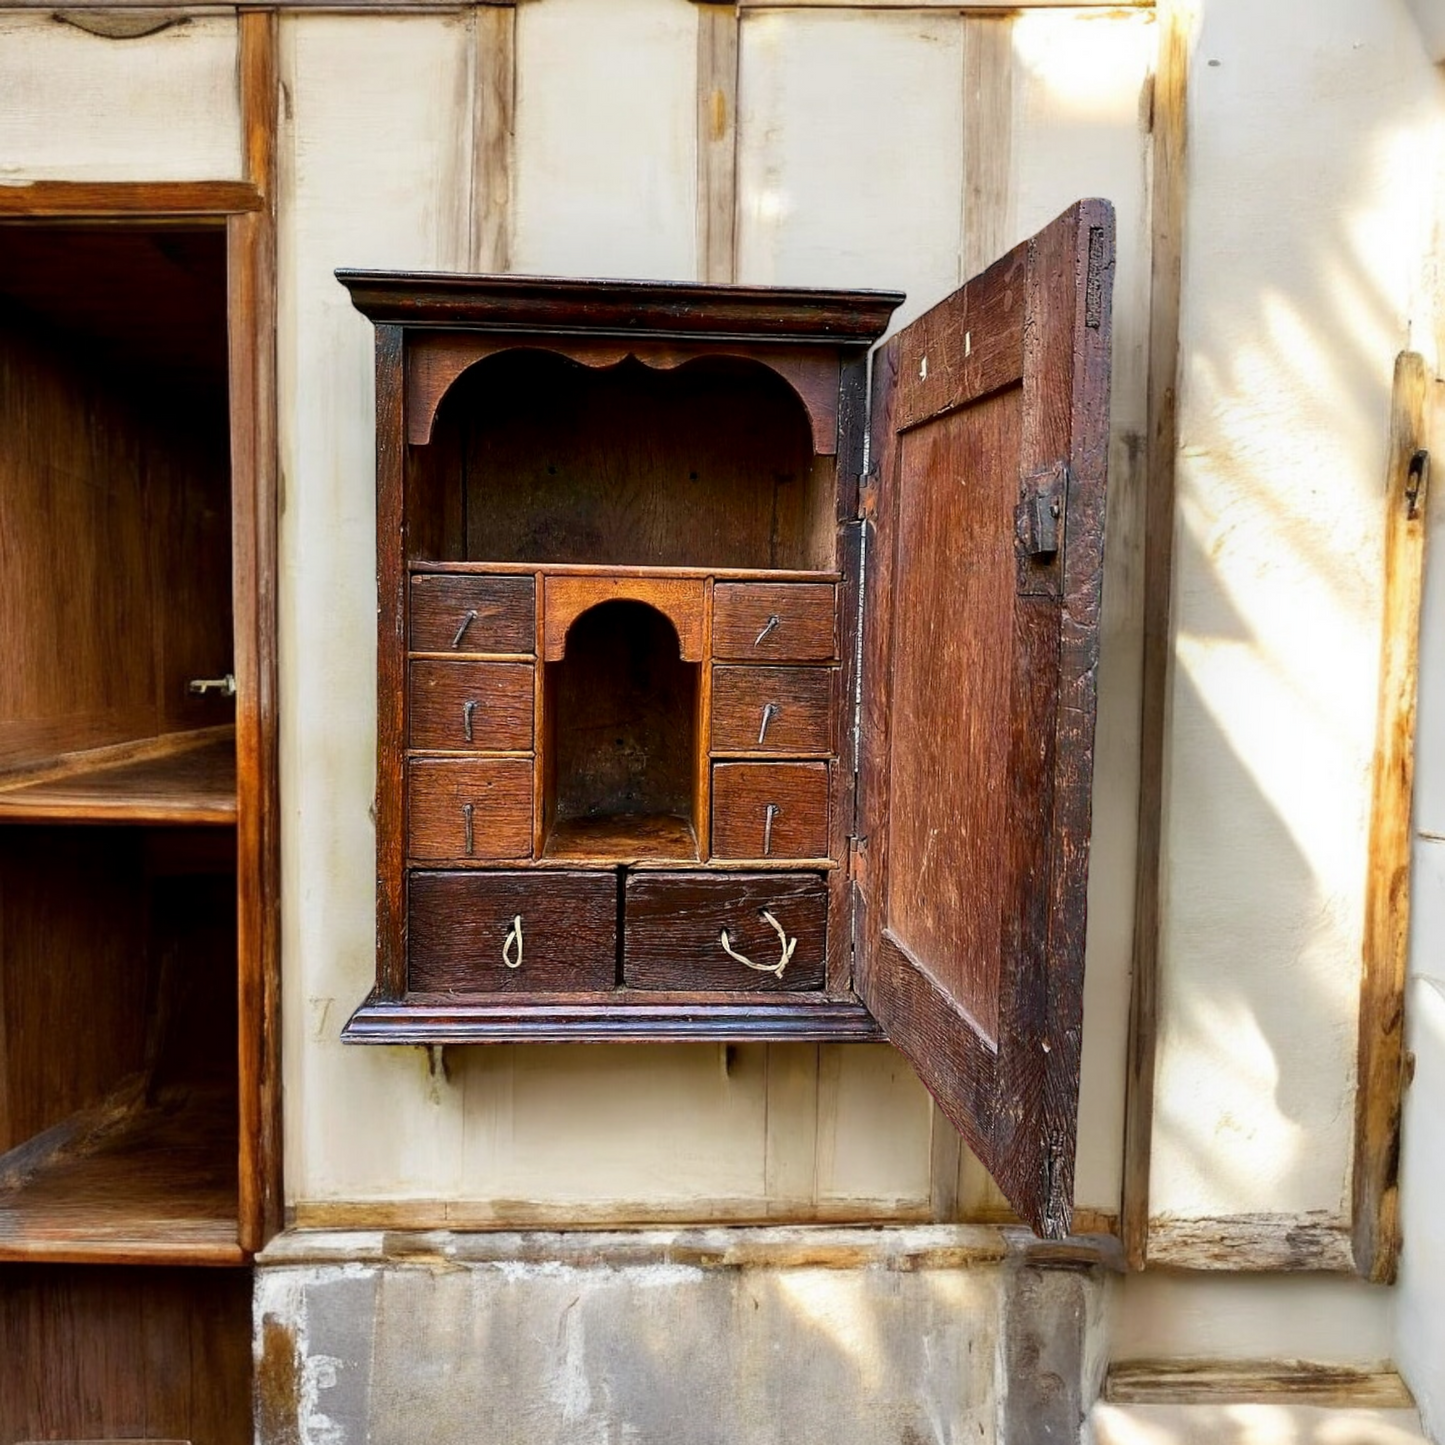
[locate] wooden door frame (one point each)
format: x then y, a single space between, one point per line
247 210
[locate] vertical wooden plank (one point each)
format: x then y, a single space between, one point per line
494 107
986 229
251 241
790 1159
1380 1081
717 141
1177 25
985 232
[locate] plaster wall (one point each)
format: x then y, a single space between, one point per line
1310 126
853 129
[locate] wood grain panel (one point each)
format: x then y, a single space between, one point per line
743 794
125 1354
511 932
472 614
775 622
473 809
951 721
776 710
673 927
470 706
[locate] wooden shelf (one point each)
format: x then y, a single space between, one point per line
140 1182
623 838
188 778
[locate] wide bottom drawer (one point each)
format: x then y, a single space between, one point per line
511 932
736 931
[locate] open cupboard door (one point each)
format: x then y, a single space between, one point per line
990 437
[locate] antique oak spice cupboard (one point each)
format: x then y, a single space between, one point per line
693 726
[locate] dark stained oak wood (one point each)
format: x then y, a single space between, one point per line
619 1016
154 1182
743 628
147 199
471 706
622 838
442 608
478 808
979 699
774 710
743 795
524 932
680 600
143 1353
185 782
629 308
673 926
621 728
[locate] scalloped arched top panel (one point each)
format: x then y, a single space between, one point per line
679 599
435 361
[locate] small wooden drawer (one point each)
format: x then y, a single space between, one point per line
775 621
469 808
777 710
511 932
471 706
770 810
693 930
473 614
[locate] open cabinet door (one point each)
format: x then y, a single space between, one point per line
990 437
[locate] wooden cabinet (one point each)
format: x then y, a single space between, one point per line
691 727
136 1079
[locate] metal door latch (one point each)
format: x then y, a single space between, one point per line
226 686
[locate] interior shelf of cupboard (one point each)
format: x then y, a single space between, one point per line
182 778
141 1178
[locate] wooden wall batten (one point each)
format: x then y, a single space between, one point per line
1381 1069
1177 24
252 305
494 119
717 141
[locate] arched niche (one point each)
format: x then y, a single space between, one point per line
621 717
536 457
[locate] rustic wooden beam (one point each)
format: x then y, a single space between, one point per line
252 318
1381 1072
125 199
717 141
1177 24
1250 1382
1252 1243
494 112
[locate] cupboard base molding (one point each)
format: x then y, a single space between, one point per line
604 1018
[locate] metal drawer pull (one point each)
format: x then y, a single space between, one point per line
469 710
776 969
514 935
467 824
769 713
467 621
771 812
772 622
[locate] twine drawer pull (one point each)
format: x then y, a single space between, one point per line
776 969
514 935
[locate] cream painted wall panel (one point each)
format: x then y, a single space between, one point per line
1299 252
1183 1315
850 151
606 115
1080 128
75 106
374 172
